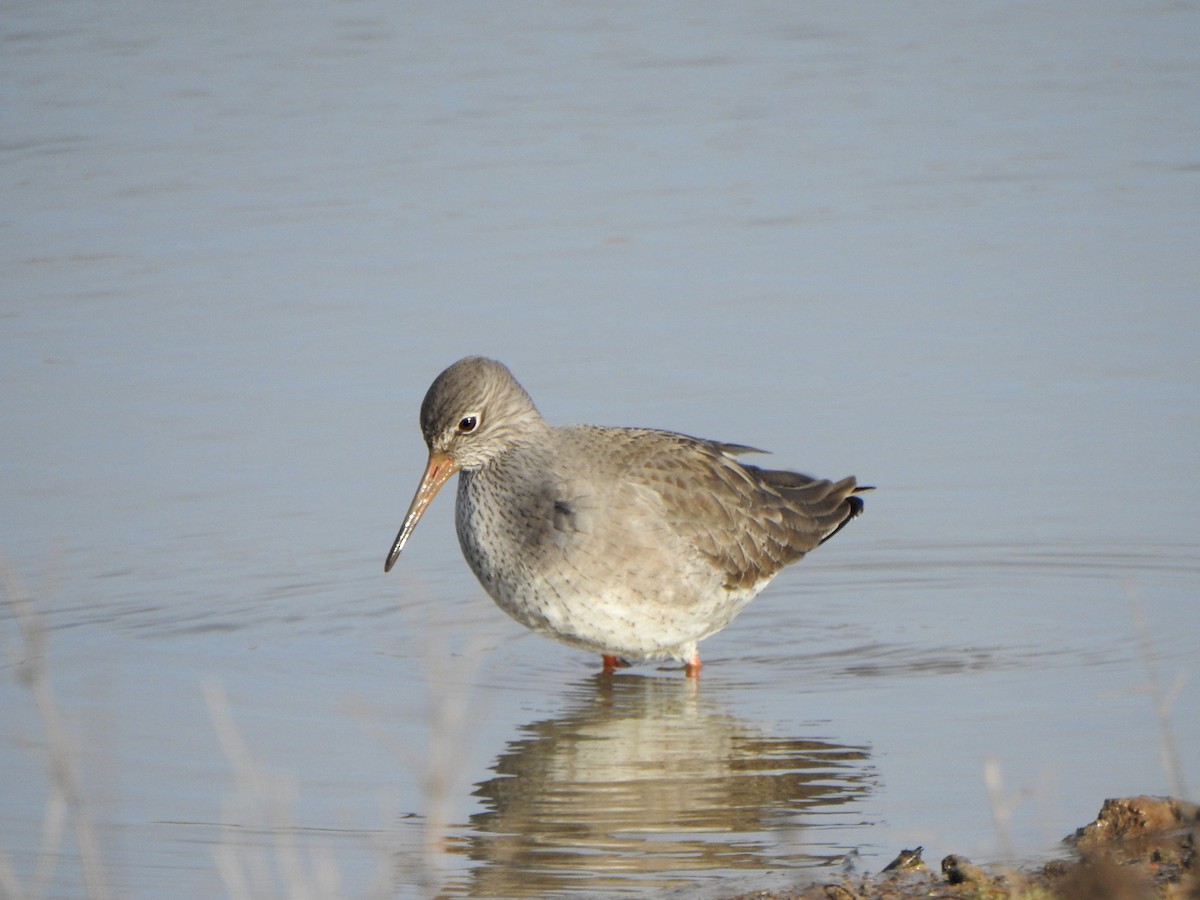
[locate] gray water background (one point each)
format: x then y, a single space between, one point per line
949 248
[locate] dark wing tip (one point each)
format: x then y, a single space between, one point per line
854 508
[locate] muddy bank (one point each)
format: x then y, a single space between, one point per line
1137 847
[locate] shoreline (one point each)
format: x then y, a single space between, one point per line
1136 848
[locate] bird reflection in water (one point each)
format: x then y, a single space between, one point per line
646 783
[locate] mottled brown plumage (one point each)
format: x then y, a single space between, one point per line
631 542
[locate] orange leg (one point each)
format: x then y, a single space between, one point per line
612 663
692 668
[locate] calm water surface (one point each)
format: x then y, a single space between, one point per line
948 250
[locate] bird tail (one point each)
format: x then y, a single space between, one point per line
851 503
831 503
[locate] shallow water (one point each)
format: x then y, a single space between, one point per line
949 251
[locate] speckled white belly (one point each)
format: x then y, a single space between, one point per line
590 589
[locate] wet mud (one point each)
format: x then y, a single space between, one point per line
1137 848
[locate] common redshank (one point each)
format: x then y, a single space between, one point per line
631 542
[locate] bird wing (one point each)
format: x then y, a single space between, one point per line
749 522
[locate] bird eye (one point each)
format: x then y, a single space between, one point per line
468 424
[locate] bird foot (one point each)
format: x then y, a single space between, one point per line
692 668
612 663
